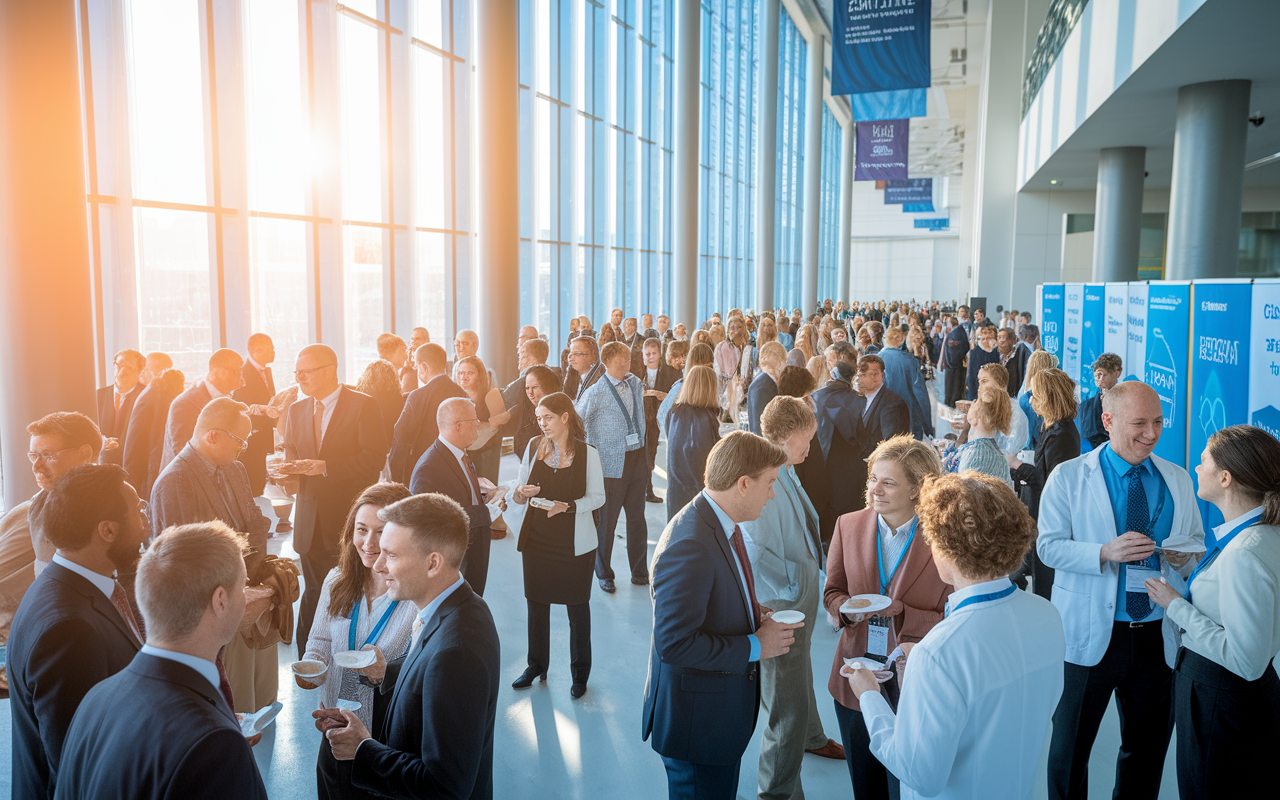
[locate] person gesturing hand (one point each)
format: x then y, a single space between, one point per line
1127 547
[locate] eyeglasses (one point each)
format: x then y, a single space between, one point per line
243 444
302 373
49 458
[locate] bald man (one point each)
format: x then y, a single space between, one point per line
337 444
222 379
1102 516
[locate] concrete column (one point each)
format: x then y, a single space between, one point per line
46 308
767 156
844 277
1117 222
812 174
497 164
1206 197
684 182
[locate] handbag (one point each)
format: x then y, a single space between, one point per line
280 574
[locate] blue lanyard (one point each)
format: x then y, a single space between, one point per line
1219 547
377 629
982 598
884 582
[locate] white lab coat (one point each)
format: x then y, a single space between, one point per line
1076 520
978 694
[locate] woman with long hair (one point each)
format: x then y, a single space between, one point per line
355 613
987 416
1038 362
380 381
562 481
692 428
539 381
804 349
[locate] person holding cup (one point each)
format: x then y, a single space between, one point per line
355 613
877 551
785 550
1226 696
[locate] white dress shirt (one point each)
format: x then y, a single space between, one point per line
871 398
206 668
104 583
892 542
726 527
429 611
459 455
1235 619
329 403
976 701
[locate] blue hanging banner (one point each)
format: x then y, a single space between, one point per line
1092 336
902 104
1264 352
881 150
917 208
1219 369
943 224
1051 314
1136 352
880 46
913 190
1168 335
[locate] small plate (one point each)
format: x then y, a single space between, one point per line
309 669
788 617
882 674
348 705
256 722
878 603
355 659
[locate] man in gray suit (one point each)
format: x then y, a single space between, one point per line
224 377
786 556
205 482
902 377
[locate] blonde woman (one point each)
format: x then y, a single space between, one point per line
804 349
989 414
1039 361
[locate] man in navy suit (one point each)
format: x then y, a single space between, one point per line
115 402
955 348
416 430
166 703
436 739
223 378
902 377
258 386
337 443
74 627
447 469
702 694
882 414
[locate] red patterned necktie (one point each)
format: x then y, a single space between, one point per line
744 561
121 601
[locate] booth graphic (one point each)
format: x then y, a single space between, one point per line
1264 357
1168 333
1051 311
1136 352
1072 328
1116 324
1092 338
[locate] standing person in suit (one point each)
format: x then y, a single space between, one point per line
222 379
964 727
558 543
1226 695
1012 358
882 536
394 351
701 697
257 387
882 414
1101 517
436 739
584 367
785 549
115 403
74 628
764 386
984 353
612 412
955 348
416 429
902 377
157 362
144 447
166 703
408 372
336 443
531 352
693 428
447 469
658 377
839 412
206 482
1106 374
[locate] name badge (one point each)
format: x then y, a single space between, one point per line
878 638
1135 579
633 439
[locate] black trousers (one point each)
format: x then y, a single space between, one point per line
316 564
871 781
953 382
627 493
1228 728
475 562
333 777
579 639
1135 670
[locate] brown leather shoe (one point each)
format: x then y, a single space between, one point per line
832 749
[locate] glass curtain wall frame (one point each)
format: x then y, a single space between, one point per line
829 216
726 232
789 213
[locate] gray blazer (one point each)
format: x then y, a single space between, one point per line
187 492
784 565
606 425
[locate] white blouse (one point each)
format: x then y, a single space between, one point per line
1235 619
329 635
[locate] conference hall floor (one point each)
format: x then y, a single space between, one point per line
551 746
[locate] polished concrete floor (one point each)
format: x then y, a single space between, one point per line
551 746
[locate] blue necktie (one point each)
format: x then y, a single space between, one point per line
1138 604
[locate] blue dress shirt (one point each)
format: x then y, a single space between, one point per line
727 525
1114 469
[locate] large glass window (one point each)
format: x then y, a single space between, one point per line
789 213
173 287
829 213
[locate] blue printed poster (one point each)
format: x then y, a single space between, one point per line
1072 326
880 45
1051 312
1092 338
1116 323
1135 354
1168 335
1219 368
1264 357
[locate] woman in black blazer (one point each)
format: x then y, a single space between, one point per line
1053 398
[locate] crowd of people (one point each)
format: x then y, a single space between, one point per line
998 559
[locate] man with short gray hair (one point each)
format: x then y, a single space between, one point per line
223 378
